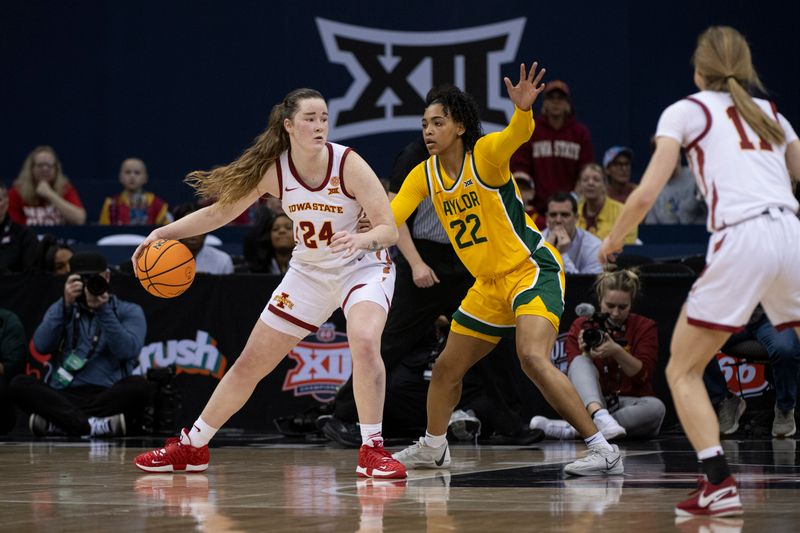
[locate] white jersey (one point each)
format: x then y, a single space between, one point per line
739 174
318 213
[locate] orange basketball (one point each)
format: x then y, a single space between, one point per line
165 268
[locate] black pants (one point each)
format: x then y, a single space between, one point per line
413 313
489 389
69 409
8 416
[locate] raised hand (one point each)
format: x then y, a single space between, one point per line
525 92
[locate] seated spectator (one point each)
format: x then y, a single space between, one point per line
528 191
18 244
134 206
53 255
680 201
783 348
268 246
207 258
13 351
578 248
42 195
596 211
559 147
95 339
617 162
612 360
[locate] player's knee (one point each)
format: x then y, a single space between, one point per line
249 365
446 372
364 344
675 372
534 364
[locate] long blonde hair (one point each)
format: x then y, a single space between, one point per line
617 280
26 185
232 182
723 59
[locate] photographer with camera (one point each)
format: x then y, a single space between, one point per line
612 358
94 338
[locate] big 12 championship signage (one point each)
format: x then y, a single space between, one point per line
323 364
392 72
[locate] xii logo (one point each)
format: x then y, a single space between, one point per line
393 70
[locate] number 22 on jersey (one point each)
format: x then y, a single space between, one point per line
471 224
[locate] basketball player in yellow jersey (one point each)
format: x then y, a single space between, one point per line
519 276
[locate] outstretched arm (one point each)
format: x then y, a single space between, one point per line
495 149
643 197
210 217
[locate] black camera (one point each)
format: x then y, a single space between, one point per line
595 328
96 284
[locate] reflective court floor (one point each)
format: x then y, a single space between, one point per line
272 485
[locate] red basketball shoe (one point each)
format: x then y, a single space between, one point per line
375 461
174 457
712 500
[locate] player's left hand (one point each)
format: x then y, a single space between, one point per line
609 251
347 243
525 92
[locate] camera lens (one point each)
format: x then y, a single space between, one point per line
592 337
96 284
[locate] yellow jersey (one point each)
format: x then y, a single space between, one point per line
481 209
605 219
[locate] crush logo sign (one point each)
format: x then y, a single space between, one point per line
323 364
393 70
192 356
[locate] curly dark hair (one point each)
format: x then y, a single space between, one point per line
461 107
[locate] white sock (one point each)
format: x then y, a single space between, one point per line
371 434
600 412
200 434
708 453
435 441
598 440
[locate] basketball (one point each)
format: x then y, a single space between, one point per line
165 268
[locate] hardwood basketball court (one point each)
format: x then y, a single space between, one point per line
268 483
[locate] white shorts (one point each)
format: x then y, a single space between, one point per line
757 260
308 295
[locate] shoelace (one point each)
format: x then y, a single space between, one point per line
379 456
162 452
100 426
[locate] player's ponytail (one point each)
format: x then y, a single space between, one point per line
723 59
232 182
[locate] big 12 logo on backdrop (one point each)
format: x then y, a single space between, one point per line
393 71
323 364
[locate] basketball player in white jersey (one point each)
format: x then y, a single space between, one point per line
742 152
323 188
